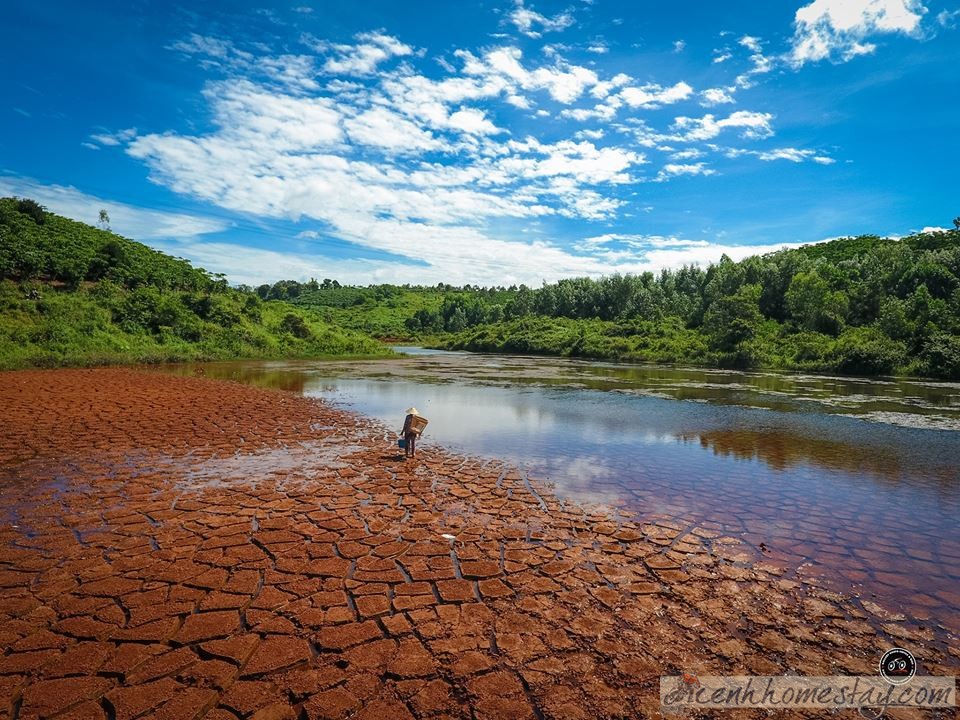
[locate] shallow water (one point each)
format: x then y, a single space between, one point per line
854 481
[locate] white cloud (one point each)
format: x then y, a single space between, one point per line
838 29
795 155
255 163
785 153
640 241
582 160
647 97
564 82
671 170
639 253
751 43
948 18
295 71
752 124
653 95
533 24
120 137
657 252
605 87
715 96
135 222
432 214
212 47
417 166
791 154
290 70
691 154
709 253
588 134
472 121
287 122
679 45
362 58
721 57
760 64
386 129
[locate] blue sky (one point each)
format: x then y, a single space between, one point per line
487 143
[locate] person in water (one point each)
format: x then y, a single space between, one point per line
410 433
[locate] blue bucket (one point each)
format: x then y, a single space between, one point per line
402 443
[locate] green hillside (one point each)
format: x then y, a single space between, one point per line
863 305
395 312
71 294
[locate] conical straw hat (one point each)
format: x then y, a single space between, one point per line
412 411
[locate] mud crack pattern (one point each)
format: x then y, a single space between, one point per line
185 548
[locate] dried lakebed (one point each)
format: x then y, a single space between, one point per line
185 548
853 481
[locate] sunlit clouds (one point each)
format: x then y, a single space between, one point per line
476 162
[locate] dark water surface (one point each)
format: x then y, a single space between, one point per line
854 481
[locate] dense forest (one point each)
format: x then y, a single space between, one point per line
72 294
863 305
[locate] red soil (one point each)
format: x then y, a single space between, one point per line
184 548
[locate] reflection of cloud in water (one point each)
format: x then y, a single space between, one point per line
792 472
473 414
491 420
597 480
779 391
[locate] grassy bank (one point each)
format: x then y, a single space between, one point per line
855 352
71 294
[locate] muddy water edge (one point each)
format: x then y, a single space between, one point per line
853 483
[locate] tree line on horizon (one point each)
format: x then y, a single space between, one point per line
860 305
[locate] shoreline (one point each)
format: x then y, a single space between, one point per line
248 551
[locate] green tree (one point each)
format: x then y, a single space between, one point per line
734 319
34 210
457 321
296 326
867 351
941 356
812 304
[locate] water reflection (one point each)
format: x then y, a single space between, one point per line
805 465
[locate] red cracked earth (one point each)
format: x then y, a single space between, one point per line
185 548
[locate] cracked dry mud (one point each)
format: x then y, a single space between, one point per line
186 548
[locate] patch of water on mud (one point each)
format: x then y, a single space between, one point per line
252 467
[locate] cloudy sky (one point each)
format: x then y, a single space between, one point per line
491 142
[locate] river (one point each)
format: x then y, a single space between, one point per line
854 483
